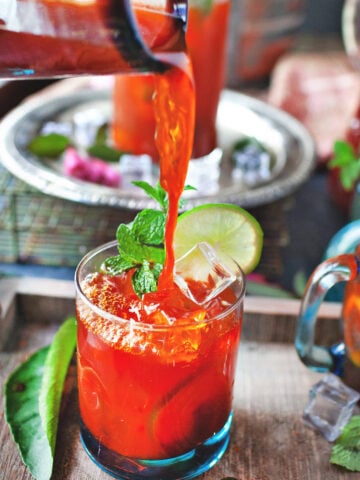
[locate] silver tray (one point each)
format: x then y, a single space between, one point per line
238 116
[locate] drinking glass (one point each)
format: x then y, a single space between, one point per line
133 124
47 38
155 399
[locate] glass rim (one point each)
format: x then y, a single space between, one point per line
240 278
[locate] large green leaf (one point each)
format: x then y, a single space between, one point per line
346 451
22 414
56 366
32 401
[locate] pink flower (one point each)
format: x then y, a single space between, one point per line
90 169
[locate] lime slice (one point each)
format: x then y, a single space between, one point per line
228 228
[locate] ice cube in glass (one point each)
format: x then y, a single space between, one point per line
202 263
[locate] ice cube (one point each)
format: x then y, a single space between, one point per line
202 264
204 172
86 126
330 406
135 167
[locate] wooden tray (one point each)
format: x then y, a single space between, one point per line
269 439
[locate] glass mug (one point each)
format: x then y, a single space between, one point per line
341 268
47 38
206 39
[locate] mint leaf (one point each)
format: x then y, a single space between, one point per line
102 134
135 250
51 145
157 193
32 401
141 243
149 227
346 160
346 451
118 264
104 152
145 279
343 153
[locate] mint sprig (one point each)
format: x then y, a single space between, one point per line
52 145
346 451
141 243
348 162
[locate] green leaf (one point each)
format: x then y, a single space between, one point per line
141 242
136 251
349 175
149 227
265 290
102 134
241 144
118 264
343 154
56 367
22 414
51 145
346 451
299 281
104 152
157 193
145 279
346 160
31 409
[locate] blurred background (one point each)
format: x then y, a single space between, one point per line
323 16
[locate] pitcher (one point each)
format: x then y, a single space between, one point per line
57 38
342 268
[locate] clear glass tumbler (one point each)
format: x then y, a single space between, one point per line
155 398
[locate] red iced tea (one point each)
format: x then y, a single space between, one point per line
157 389
351 319
133 125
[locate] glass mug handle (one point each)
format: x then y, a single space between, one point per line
326 275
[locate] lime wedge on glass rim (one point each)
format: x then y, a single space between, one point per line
228 228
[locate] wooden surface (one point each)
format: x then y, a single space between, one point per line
269 439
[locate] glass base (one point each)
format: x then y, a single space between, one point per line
186 466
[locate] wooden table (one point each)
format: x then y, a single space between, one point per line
269 439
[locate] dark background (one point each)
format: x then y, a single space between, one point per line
323 16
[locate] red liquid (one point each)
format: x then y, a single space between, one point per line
158 393
134 123
64 43
351 317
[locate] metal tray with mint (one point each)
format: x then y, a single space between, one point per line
263 153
